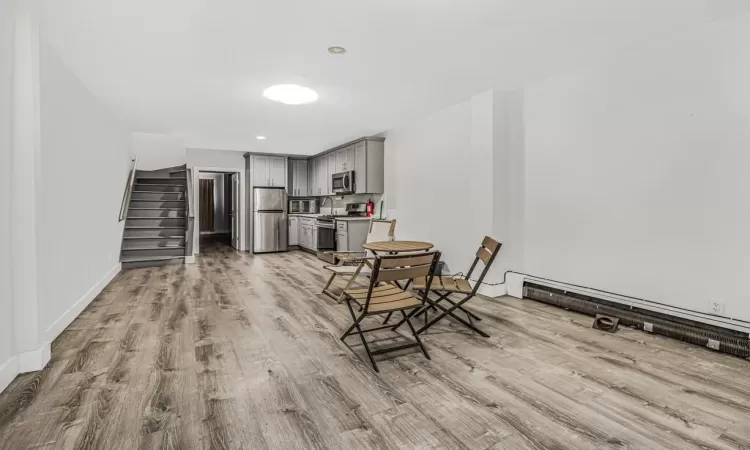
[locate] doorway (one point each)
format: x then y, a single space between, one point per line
220 215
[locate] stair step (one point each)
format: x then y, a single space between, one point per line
142 242
171 181
150 252
143 227
155 247
158 196
156 213
146 187
156 221
153 237
157 204
144 232
150 261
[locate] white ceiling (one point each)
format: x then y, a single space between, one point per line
197 68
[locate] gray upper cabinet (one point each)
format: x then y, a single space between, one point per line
350 164
269 171
331 171
297 185
369 166
345 159
312 177
277 171
323 179
261 166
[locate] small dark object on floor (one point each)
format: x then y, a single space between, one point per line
606 323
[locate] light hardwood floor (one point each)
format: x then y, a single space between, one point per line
243 352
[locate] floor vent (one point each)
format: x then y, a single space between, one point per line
717 338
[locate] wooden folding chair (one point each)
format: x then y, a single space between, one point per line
352 263
383 296
444 287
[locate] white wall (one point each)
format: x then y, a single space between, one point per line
637 172
6 127
158 151
84 167
225 159
439 179
629 176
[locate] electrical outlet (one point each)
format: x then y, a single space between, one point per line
717 308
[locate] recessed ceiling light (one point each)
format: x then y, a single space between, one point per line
336 50
260 138
291 94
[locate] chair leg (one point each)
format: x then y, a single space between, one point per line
432 304
354 318
449 311
349 283
411 314
416 336
387 318
357 320
470 314
325 288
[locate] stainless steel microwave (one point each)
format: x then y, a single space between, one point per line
343 183
303 206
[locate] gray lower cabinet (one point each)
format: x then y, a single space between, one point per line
342 241
351 235
293 231
308 233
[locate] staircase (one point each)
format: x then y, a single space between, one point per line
156 226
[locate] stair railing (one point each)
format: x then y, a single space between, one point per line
125 206
190 211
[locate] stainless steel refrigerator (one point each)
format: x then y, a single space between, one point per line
269 220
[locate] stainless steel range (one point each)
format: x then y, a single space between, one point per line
326 237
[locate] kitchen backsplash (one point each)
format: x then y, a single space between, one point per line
339 206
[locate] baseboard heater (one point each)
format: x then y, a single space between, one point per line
721 339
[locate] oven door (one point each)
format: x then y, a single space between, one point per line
326 239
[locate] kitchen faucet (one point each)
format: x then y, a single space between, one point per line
322 204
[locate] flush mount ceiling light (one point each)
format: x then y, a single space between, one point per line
290 94
336 50
260 138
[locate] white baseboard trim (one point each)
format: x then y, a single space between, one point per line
190 259
493 291
8 371
514 283
35 359
60 324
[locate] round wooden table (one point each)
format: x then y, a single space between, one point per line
393 247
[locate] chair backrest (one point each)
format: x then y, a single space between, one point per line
486 253
401 268
380 230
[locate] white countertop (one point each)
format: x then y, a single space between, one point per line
311 216
315 216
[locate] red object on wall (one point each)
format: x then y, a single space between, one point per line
370 208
